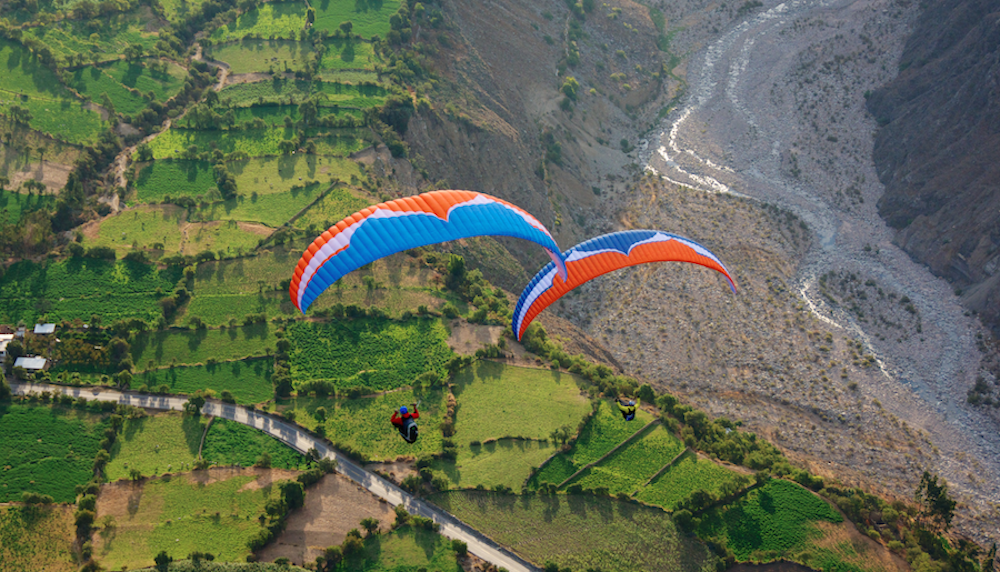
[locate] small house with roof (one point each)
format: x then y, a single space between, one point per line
42 329
32 363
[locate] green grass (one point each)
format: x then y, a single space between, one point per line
180 516
93 83
157 180
37 538
330 93
183 347
251 56
161 443
274 114
688 474
376 354
256 142
580 531
176 10
497 400
102 38
403 550
343 54
216 566
54 110
506 462
79 288
270 20
369 17
47 450
146 225
631 466
602 433
249 381
329 210
126 84
774 518
363 424
232 443
14 205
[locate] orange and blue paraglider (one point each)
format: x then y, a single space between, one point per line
604 254
394 226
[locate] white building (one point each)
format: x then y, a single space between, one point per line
45 328
4 340
31 363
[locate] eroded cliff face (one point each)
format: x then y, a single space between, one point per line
938 151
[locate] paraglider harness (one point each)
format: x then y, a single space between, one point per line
407 427
628 408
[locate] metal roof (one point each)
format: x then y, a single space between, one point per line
30 362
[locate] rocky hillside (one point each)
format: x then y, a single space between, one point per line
937 149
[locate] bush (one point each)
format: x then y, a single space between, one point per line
459 547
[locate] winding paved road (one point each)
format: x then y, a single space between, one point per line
297 438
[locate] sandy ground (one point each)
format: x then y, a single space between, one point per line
466 338
334 506
776 112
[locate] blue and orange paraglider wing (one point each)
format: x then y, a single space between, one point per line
398 225
604 254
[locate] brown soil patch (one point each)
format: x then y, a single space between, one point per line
466 338
264 476
334 506
52 175
853 547
255 228
395 471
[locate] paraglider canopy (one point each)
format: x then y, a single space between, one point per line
398 225
604 254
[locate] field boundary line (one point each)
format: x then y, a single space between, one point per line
661 471
608 454
204 433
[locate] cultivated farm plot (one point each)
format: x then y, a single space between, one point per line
158 180
602 433
688 474
79 288
174 143
187 347
250 56
375 354
363 423
212 511
53 109
249 381
406 548
497 400
632 465
330 93
36 538
47 450
127 83
14 205
176 10
274 114
580 531
144 226
338 203
161 443
368 17
505 462
102 38
92 83
353 54
268 20
231 443
779 518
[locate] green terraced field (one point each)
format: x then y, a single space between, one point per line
274 114
269 20
580 532
688 474
249 381
231 443
369 17
603 432
102 38
497 400
147 225
330 93
506 462
256 142
186 347
157 180
631 466
158 444
177 10
404 549
126 84
54 110
40 538
334 206
363 424
79 288
182 514
13 205
47 450
375 354
777 518
141 76
249 56
343 54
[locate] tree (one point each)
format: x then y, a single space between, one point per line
264 461
195 403
134 52
934 496
145 152
346 27
370 525
320 414
570 87
162 560
123 379
460 548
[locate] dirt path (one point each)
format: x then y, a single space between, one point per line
777 112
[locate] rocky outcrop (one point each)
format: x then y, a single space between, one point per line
938 150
